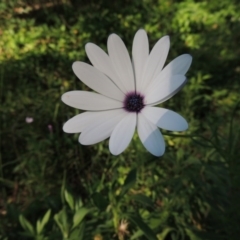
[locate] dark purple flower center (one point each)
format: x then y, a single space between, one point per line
134 102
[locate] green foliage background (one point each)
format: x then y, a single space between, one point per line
51 187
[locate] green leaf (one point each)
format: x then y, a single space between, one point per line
46 217
129 181
41 224
26 224
69 199
192 235
137 234
38 227
78 204
78 233
79 215
100 201
62 221
143 199
137 220
59 223
164 233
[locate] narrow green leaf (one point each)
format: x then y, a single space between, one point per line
129 181
26 224
69 199
137 220
43 222
143 199
137 234
59 223
192 235
46 217
38 227
164 233
62 221
78 203
78 233
79 215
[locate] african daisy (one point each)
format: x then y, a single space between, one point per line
127 92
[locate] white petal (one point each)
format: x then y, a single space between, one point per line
90 101
81 121
103 63
179 66
140 53
155 62
101 127
150 136
164 90
96 80
165 118
122 134
121 61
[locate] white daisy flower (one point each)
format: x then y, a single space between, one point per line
127 92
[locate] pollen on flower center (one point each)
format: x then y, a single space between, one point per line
134 102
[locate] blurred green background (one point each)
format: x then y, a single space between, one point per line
51 187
